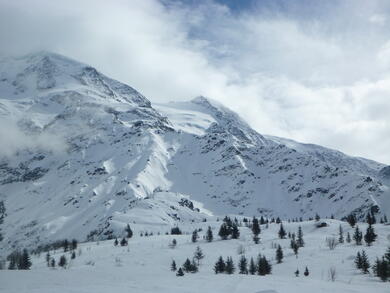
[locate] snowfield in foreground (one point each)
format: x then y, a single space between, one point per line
144 265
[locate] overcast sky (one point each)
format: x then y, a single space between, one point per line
313 71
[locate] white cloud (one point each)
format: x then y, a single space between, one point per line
318 74
14 140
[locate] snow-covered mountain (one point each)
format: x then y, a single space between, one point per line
97 155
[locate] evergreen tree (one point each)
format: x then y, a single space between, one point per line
229 268
279 254
173 266
24 262
357 236
66 245
129 232
317 217
180 272
63 261
263 266
48 258
385 219
209 235
351 219
187 265
252 267
194 266
53 263
243 265
296 273
195 236
348 239
387 255
224 231
176 231
278 221
124 242
198 254
219 266
256 230
358 261
116 242
341 234
74 244
235 232
73 255
306 273
300 241
365 262
12 263
282 233
382 269
370 235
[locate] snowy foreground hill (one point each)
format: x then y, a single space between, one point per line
144 265
96 155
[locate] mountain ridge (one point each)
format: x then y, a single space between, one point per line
130 161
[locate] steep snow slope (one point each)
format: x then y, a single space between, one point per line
123 160
236 170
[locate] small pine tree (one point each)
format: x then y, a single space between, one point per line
198 254
348 239
341 234
370 235
358 261
129 232
173 266
66 245
300 240
187 265
351 219
12 263
209 235
243 265
63 261
74 244
48 258
24 261
53 263
224 231
306 272
279 254
235 232
194 236
73 255
263 266
317 217
229 268
180 272
357 236
282 233
365 262
219 266
256 230
296 273
116 242
252 267
124 242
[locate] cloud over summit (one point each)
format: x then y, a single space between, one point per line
314 71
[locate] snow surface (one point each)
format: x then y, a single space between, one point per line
144 266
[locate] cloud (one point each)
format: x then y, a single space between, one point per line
311 71
14 140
